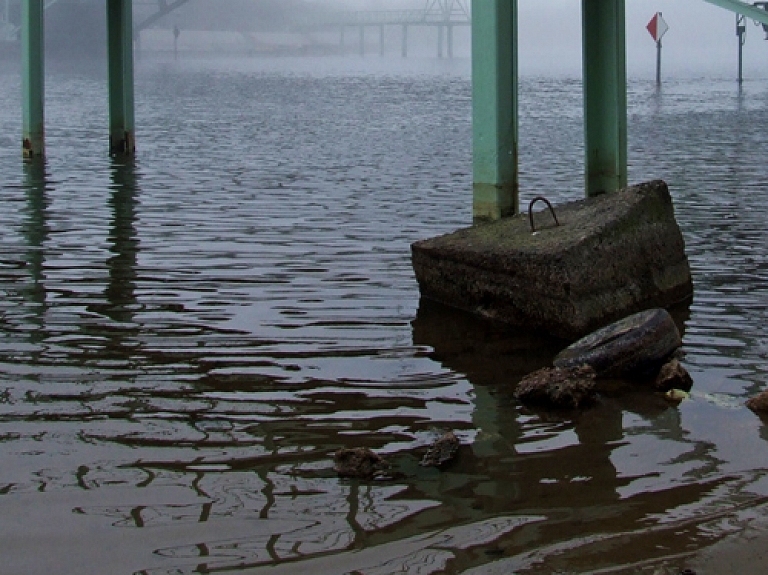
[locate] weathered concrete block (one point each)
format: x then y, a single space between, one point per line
611 256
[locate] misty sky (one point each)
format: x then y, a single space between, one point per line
701 38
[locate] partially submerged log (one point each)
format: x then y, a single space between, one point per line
609 257
639 347
634 347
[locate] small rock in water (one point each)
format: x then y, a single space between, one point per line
564 387
673 376
359 462
759 403
442 450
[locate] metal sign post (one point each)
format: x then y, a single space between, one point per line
657 27
741 32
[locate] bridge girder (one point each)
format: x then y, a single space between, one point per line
748 10
448 10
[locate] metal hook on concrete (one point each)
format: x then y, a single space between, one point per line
530 211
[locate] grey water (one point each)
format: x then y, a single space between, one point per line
186 338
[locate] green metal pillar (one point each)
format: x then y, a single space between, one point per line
605 95
494 109
120 57
381 40
33 78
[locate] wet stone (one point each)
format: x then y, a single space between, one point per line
673 375
442 451
759 403
569 388
359 462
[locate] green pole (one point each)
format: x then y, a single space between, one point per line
120 62
605 95
33 78
494 109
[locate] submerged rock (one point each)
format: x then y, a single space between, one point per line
569 388
635 347
610 256
442 451
676 395
359 462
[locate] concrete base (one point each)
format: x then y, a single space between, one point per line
610 256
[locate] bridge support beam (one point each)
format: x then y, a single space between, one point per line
605 95
494 109
381 40
33 79
405 41
120 62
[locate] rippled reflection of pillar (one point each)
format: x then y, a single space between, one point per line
124 243
519 458
36 233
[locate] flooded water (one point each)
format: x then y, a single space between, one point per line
186 339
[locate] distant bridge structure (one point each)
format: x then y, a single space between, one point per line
444 15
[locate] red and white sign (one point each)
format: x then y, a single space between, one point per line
657 27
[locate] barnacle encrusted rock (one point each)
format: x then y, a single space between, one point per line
569 387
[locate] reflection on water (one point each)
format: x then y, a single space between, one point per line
188 337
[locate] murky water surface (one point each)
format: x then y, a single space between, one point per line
185 340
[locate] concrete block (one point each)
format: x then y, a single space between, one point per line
611 256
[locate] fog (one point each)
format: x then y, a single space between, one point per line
701 38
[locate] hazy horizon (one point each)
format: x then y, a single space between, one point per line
701 39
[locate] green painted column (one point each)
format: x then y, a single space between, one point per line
33 78
494 109
120 62
381 40
605 95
